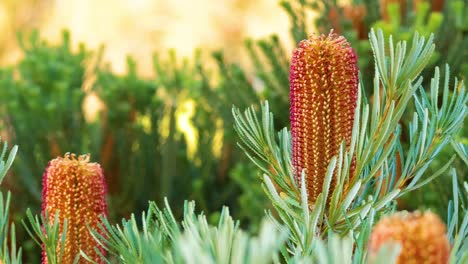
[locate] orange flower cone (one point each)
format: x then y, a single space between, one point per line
422 237
75 188
323 97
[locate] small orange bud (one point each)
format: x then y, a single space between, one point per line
76 189
422 237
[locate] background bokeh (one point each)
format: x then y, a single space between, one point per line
141 27
147 86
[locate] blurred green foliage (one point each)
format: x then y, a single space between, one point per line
136 139
129 151
135 136
42 107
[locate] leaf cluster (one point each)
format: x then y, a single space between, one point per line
375 145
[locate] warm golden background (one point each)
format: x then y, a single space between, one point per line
169 132
140 27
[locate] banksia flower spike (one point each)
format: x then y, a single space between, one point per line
75 188
323 96
422 237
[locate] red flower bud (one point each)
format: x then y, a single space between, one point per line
323 95
76 189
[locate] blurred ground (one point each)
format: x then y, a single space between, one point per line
140 27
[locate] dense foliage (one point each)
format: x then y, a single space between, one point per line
147 155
